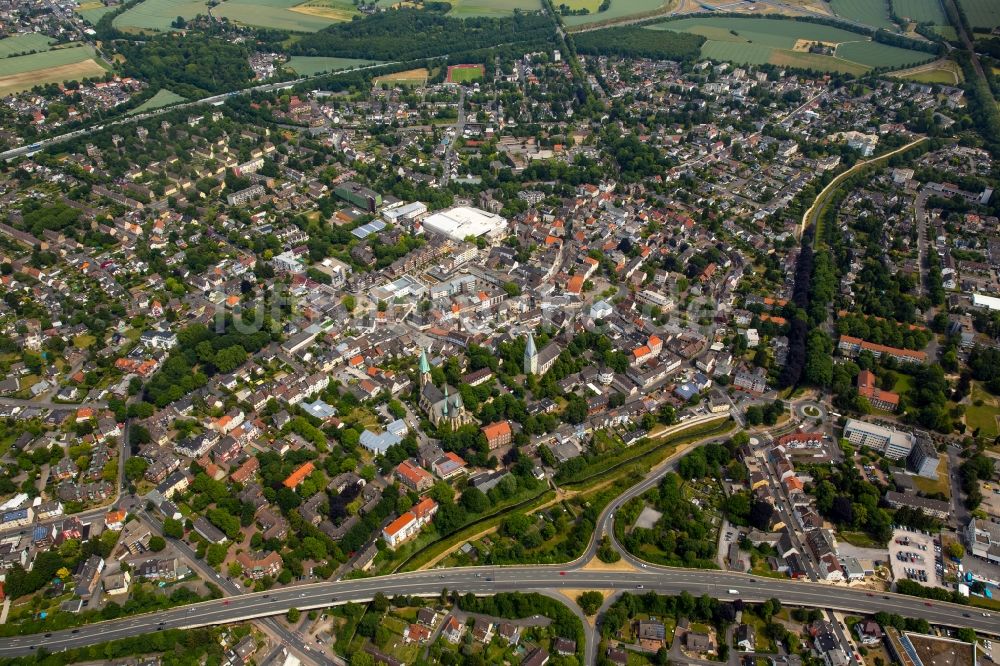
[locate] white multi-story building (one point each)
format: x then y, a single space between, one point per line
891 443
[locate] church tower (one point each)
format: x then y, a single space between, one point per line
530 356
425 369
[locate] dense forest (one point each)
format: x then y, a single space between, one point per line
409 34
191 65
638 42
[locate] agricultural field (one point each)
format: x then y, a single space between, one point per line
876 54
981 13
162 98
410 77
590 5
870 12
24 72
93 10
24 43
921 11
620 9
786 43
312 65
334 11
158 14
282 14
493 8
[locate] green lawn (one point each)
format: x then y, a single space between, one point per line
938 485
466 74
312 65
983 416
163 97
904 384
859 539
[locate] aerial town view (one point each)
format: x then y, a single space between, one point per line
515 332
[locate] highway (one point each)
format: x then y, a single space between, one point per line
214 99
490 580
574 576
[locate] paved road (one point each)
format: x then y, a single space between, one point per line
811 215
490 580
214 99
49 404
287 637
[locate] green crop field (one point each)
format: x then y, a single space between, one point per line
45 60
875 54
758 41
158 14
619 9
821 63
285 14
94 15
776 33
162 98
921 11
749 54
495 8
981 13
870 12
24 43
312 65
19 73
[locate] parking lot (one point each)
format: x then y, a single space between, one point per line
914 556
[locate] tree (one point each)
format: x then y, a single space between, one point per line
293 615
216 554
135 468
157 543
172 528
590 602
956 550
474 500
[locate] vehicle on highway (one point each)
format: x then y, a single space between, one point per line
734 591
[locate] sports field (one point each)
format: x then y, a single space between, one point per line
162 98
870 12
495 8
981 13
465 73
410 77
619 9
158 14
24 43
282 14
312 65
921 11
25 72
758 41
